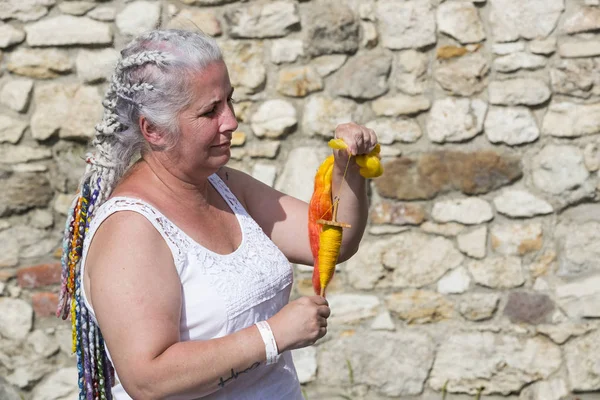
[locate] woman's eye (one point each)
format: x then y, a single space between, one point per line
209 112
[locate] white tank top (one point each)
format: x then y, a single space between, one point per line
221 294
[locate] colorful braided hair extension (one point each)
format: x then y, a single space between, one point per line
117 139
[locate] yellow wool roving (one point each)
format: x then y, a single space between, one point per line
330 238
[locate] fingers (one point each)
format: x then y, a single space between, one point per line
360 139
324 311
319 300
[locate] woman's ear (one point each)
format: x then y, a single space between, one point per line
150 132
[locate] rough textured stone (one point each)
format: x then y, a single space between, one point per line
502 364
69 167
23 191
16 93
8 392
297 177
455 281
245 64
69 109
25 10
331 28
328 64
581 355
390 130
408 351
543 46
103 13
450 229
468 211
461 21
571 120
503 49
267 149
478 306
562 332
511 125
39 64
305 361
412 262
383 322
575 77
62 384
76 7
39 275
287 51
419 306
387 212
580 298
9 35
138 17
516 239
583 19
11 130
274 118
432 173
473 243
553 389
369 73
519 60
513 19
464 75
365 269
497 272
22 154
16 318
44 304
405 25
521 203
96 65
272 19
581 247
558 169
265 173
455 120
400 104
579 48
349 308
191 19
299 81
530 308
518 91
66 30
9 249
323 114
410 74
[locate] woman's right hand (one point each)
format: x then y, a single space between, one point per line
300 323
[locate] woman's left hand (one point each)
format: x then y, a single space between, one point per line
360 140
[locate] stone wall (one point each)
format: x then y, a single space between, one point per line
480 271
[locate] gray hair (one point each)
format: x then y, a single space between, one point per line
151 80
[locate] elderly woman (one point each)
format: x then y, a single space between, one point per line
182 262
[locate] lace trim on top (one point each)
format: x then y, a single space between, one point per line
255 272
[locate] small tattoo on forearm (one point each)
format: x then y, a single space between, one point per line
227 176
234 375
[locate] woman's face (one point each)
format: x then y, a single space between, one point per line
207 125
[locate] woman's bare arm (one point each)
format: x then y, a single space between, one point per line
136 294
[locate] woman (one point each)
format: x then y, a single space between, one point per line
183 262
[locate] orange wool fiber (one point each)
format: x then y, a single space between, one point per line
325 248
320 208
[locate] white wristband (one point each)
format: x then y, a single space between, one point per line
270 344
